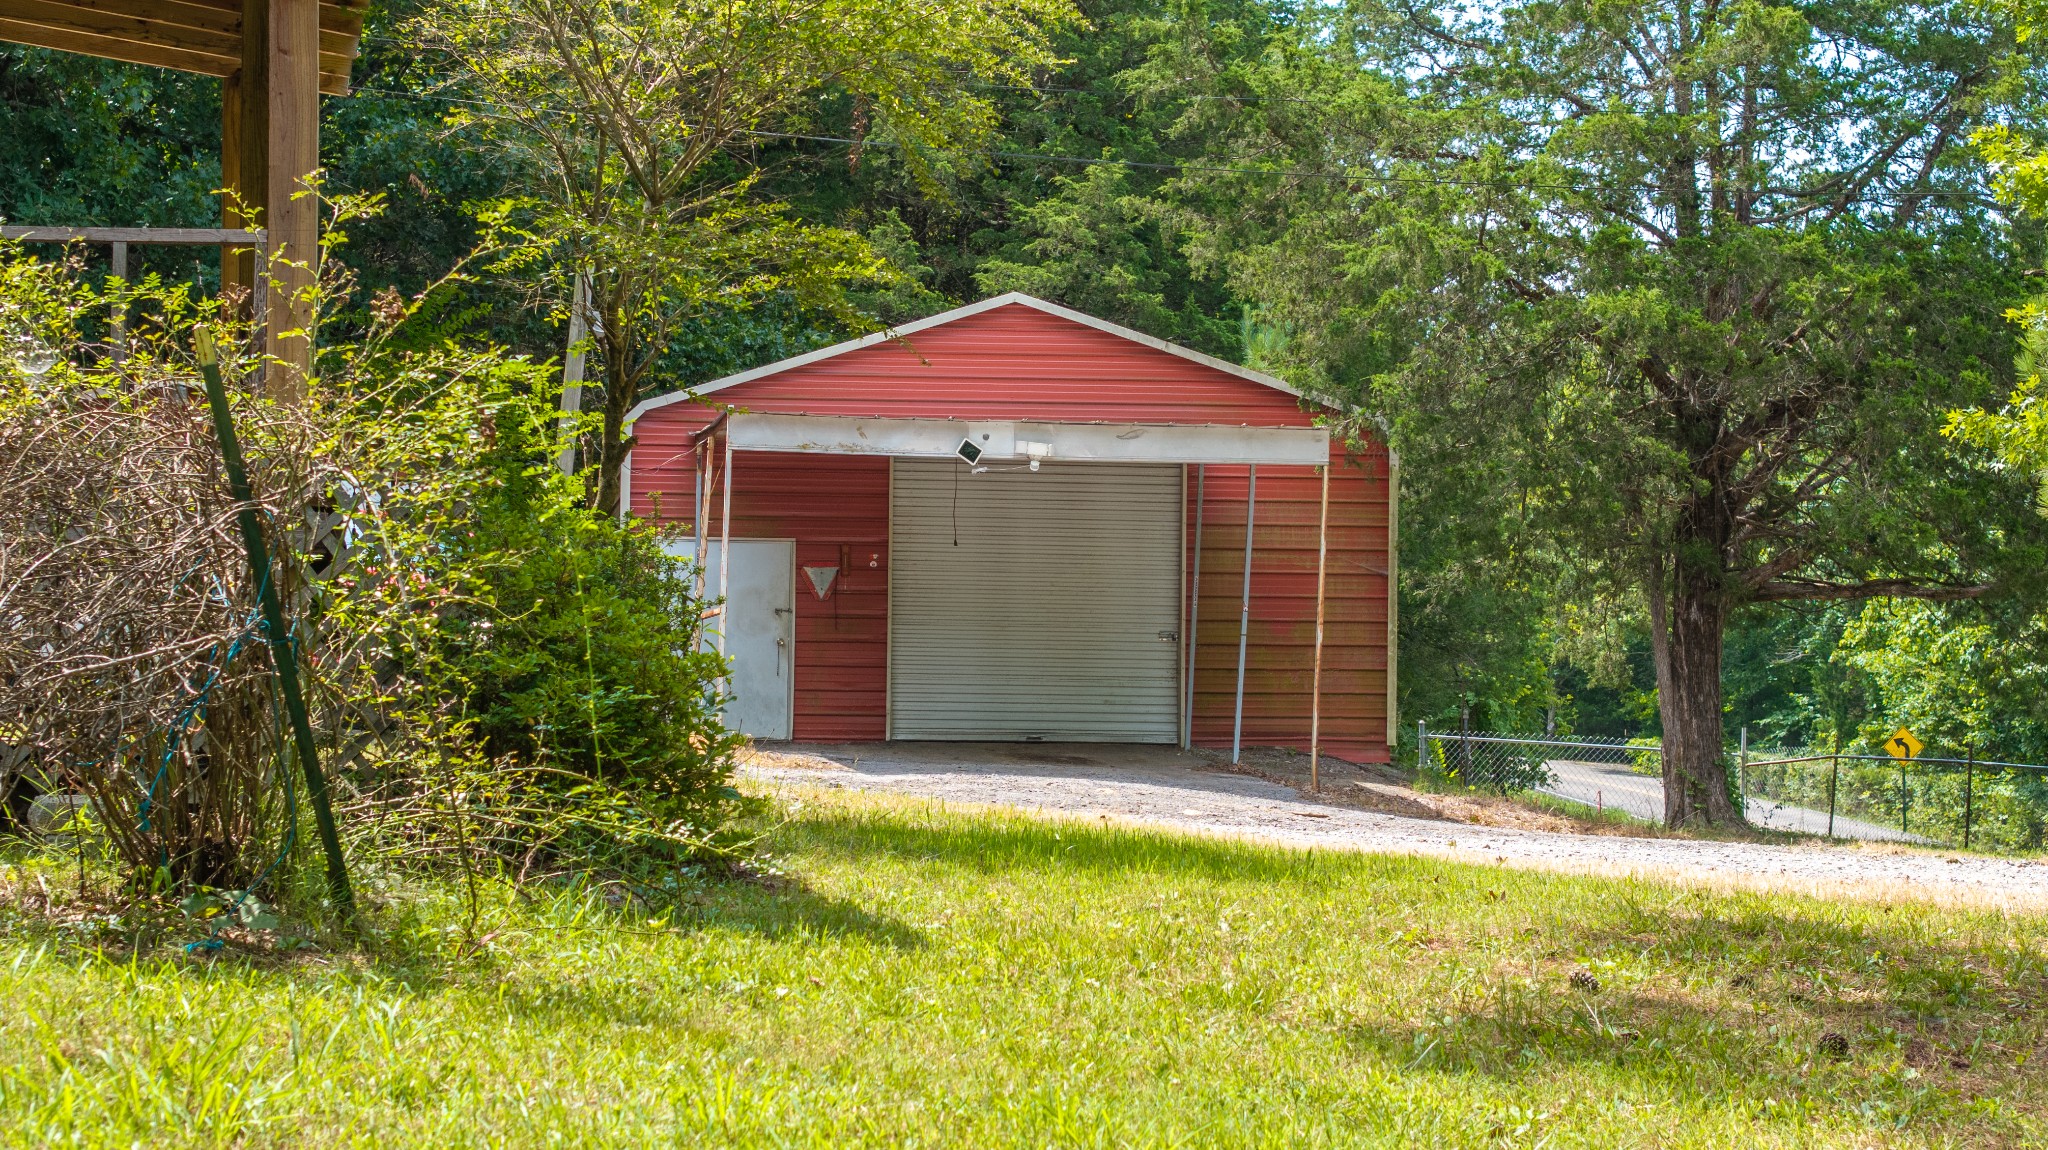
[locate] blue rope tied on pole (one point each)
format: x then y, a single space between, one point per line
194 708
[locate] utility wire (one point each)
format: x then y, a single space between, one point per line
1208 169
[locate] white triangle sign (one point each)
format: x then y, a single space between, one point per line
821 579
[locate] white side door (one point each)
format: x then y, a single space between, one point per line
759 624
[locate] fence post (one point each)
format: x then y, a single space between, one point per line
1421 744
1465 744
284 655
1969 789
1905 796
1742 772
1834 772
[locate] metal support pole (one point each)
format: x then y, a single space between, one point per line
701 525
1244 615
1187 711
1421 744
1315 700
725 553
1969 789
1904 795
284 658
1742 768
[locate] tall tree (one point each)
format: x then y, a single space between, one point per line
1683 284
639 122
2018 158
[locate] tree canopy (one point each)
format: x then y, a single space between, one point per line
1678 292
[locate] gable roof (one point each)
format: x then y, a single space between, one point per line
945 317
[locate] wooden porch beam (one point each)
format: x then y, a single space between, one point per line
202 36
206 237
292 216
65 39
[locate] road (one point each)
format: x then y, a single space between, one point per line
1614 785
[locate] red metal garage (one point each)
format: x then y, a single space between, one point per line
885 585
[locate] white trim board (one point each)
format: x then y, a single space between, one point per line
1031 439
946 317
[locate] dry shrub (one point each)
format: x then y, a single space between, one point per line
131 663
495 670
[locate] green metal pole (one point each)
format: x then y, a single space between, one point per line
283 659
1834 771
1969 789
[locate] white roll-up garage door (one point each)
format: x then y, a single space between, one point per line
1035 605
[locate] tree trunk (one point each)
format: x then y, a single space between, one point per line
613 443
617 345
1687 650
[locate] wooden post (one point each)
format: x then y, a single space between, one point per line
293 213
245 145
1315 701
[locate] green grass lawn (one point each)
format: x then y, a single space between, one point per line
932 978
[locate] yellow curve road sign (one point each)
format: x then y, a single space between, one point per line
1902 745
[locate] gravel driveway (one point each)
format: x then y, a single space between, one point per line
1163 787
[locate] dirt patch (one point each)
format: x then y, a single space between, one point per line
1374 787
789 760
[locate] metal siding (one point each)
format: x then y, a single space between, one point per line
823 502
1011 363
1017 363
1030 605
1280 664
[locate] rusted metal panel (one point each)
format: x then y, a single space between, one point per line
1015 363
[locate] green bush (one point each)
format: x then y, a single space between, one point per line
590 661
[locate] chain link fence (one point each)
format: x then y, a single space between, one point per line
1603 773
1931 800
1951 801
